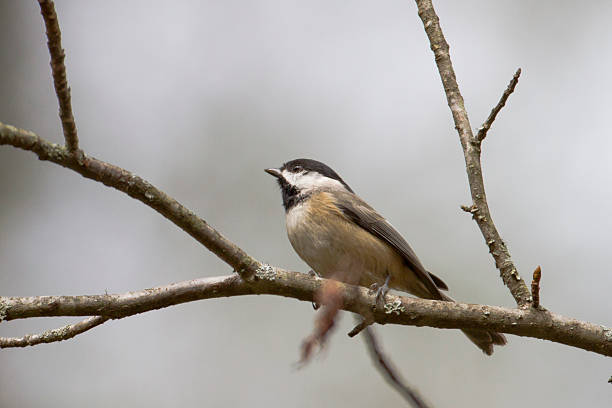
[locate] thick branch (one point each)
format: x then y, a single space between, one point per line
54 335
273 281
137 188
58 69
471 152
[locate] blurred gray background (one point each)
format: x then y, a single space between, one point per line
198 97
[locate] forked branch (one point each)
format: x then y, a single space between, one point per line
482 131
256 278
471 153
137 188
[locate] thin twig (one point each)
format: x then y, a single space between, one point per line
58 69
388 371
471 152
482 132
54 335
363 324
535 287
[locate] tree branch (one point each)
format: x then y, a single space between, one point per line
388 371
54 335
263 279
256 278
58 69
137 188
482 132
275 281
471 152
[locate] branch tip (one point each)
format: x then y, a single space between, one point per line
482 130
360 327
535 287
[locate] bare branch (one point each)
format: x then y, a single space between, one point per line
54 335
362 325
535 287
482 132
137 188
398 310
471 152
263 279
58 69
388 371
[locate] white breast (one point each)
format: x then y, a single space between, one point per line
308 239
295 216
336 248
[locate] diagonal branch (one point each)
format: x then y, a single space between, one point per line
275 281
388 371
58 69
137 188
482 131
256 278
471 152
54 335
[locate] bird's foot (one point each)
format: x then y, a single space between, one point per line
312 273
381 292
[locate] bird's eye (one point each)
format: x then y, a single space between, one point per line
297 169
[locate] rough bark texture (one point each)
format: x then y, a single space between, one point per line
53 335
58 70
273 281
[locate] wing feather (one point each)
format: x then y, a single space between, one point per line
367 218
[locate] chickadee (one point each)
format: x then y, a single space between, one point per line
341 237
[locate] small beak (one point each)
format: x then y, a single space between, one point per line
274 172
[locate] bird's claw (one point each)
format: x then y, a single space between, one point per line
381 292
312 273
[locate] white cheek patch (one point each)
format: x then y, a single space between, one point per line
289 177
306 182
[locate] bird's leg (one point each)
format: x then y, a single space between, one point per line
312 273
381 292
368 319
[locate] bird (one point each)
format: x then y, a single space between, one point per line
342 237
